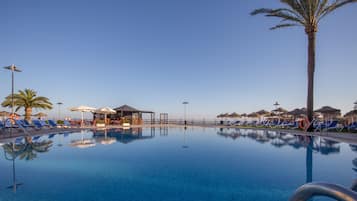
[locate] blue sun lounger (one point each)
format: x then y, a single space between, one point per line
37 124
52 123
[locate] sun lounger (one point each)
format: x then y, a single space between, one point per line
66 124
52 123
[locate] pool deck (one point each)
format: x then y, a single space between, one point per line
350 138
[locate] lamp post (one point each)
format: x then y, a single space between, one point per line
59 110
276 104
185 103
13 69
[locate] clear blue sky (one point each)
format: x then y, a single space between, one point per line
155 54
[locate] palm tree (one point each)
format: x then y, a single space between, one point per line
27 99
306 13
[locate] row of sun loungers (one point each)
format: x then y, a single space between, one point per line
318 126
35 124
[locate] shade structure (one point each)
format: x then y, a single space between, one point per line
263 112
234 115
328 111
351 113
280 111
244 115
253 115
105 111
4 113
298 112
82 109
220 116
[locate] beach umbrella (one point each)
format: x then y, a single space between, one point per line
4 113
220 115
234 115
298 112
262 112
329 111
253 115
82 109
351 114
244 115
279 111
105 111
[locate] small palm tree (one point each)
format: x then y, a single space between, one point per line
27 99
308 14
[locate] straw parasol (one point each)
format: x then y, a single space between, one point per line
263 112
297 112
280 110
351 113
329 111
234 115
244 115
4 113
253 115
220 116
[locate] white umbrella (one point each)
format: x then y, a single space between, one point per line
83 109
105 111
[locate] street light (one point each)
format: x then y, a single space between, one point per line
276 104
13 69
185 103
59 110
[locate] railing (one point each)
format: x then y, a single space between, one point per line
307 191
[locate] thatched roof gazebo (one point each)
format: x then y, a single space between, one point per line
130 114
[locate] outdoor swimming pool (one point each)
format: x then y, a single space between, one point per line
170 164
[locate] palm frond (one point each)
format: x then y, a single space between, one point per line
332 7
283 26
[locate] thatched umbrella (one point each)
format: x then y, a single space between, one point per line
219 116
244 115
280 111
298 112
4 114
253 115
351 114
234 115
329 111
263 112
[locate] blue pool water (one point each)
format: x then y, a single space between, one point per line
200 164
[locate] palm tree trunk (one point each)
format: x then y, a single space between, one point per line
310 77
28 112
